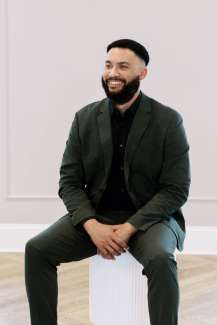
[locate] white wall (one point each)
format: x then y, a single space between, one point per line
51 60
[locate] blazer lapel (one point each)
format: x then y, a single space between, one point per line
105 133
138 127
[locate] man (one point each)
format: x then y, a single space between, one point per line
123 179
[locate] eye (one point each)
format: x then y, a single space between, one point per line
125 67
108 66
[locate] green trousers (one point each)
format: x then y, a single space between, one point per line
62 243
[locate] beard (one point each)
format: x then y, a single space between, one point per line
126 93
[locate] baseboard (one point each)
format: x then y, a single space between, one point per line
199 240
13 237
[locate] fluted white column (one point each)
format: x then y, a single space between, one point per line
117 291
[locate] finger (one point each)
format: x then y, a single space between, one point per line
111 251
107 255
120 242
116 227
118 249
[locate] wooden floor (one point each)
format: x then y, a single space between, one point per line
197 279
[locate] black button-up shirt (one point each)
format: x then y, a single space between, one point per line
116 196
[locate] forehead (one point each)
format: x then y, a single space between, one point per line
121 54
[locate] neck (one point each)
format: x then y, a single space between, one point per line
125 106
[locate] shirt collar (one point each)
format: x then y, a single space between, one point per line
131 110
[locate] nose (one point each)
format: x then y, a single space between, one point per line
114 72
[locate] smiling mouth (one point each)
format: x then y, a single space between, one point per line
115 83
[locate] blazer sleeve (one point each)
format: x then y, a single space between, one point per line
174 179
72 179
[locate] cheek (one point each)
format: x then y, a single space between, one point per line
105 76
127 76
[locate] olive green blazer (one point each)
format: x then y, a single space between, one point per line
156 164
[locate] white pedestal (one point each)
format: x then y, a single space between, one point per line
117 291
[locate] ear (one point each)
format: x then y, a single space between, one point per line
143 73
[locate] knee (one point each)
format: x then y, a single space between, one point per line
31 248
163 259
32 258
160 263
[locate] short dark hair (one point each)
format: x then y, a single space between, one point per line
134 46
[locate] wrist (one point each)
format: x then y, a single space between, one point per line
90 222
132 230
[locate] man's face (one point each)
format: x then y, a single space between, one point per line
122 74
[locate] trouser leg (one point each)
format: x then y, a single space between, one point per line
154 249
59 243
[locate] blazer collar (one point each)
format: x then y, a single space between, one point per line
138 128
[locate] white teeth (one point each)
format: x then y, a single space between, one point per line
115 83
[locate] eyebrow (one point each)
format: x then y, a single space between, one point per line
121 62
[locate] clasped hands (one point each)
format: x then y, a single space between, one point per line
111 240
